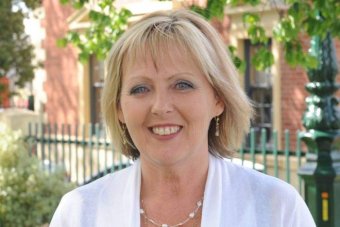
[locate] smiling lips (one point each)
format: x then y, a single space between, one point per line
165 131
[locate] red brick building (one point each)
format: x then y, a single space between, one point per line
61 85
4 93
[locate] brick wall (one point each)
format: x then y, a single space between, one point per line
61 83
293 94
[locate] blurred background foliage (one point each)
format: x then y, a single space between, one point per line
107 24
298 18
28 193
15 46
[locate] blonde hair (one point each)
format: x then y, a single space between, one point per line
155 34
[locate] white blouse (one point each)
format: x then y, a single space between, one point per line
234 196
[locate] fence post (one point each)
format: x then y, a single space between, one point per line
287 149
321 173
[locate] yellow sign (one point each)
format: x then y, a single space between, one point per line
325 212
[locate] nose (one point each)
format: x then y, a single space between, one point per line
162 103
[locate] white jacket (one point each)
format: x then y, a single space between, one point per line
234 196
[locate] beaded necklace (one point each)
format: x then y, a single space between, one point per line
190 216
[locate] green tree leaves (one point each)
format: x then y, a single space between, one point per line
263 57
302 19
107 24
243 2
15 47
256 32
213 9
240 65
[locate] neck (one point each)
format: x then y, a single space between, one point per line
174 181
169 193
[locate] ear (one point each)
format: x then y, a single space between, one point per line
219 106
120 114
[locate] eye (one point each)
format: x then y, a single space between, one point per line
183 85
139 90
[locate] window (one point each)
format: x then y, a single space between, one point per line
258 85
96 86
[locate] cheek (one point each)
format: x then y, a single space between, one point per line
201 113
133 112
196 114
201 106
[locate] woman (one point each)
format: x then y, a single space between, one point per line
172 102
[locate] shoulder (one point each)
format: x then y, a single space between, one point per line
91 191
256 180
82 203
264 194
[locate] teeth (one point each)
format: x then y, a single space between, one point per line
165 130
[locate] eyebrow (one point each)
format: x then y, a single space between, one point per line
181 73
142 77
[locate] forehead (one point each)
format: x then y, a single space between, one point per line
160 59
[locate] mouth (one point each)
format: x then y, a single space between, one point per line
165 130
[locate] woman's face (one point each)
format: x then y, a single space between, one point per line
168 108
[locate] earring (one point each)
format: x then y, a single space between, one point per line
217 129
123 136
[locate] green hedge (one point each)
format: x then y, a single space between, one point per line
28 194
